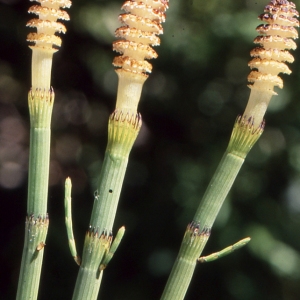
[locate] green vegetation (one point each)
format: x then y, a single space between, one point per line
189 103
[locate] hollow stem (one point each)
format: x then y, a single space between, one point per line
242 139
40 107
142 22
122 132
40 101
41 67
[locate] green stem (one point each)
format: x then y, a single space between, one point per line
122 132
40 107
38 171
218 189
242 139
110 184
35 235
88 289
90 275
185 263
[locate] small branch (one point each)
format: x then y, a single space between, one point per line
225 251
110 253
68 219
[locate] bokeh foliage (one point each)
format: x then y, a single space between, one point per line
189 104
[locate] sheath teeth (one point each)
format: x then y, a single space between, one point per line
275 37
141 25
49 11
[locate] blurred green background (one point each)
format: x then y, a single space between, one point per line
189 104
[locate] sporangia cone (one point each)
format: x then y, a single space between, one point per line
275 37
141 25
49 12
44 42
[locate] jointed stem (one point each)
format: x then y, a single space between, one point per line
40 106
212 201
122 132
242 139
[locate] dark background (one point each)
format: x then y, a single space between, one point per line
189 104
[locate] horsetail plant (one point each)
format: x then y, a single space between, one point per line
269 58
141 25
40 101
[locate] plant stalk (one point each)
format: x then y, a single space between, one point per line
36 226
242 139
122 132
